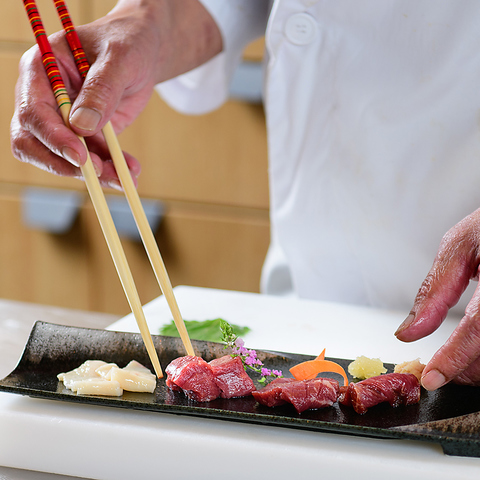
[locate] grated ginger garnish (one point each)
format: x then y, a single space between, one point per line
414 367
364 367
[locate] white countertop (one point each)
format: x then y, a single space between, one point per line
122 444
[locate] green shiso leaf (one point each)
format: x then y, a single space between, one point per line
208 330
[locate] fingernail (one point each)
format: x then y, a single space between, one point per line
71 156
433 380
85 119
405 324
97 169
115 184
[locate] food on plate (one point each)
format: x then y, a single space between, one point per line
194 376
248 357
96 377
132 378
302 394
85 380
203 382
311 368
231 377
363 367
395 388
224 377
208 330
415 367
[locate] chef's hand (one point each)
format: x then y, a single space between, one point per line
457 262
130 50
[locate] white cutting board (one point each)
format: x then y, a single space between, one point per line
115 444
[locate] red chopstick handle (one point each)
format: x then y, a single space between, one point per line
72 38
48 58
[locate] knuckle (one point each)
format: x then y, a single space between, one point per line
98 88
462 241
24 113
426 286
18 148
471 324
427 290
18 140
117 46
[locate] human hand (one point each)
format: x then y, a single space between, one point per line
130 50
457 262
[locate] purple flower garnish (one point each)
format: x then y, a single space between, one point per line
248 357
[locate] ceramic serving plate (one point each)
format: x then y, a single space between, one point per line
449 416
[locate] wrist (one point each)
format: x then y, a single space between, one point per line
197 34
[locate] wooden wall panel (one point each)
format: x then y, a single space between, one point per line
9 61
15 27
105 290
37 266
204 246
99 9
214 248
220 157
254 52
71 270
200 245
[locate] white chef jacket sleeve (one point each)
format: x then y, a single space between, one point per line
206 88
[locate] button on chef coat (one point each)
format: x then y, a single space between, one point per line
372 113
300 29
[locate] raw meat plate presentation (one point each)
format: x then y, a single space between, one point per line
226 377
203 382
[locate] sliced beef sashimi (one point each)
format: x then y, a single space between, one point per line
311 394
231 377
194 376
271 394
395 388
302 394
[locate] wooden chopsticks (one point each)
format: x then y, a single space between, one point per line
126 181
98 198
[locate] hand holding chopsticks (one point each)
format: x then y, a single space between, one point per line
127 183
95 190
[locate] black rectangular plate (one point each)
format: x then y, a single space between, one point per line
448 416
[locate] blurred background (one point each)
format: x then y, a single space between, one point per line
204 182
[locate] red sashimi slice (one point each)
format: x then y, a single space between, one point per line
231 377
194 376
302 394
395 388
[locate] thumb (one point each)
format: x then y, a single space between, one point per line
99 97
85 120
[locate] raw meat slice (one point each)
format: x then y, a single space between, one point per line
311 394
231 377
302 394
395 388
271 394
194 376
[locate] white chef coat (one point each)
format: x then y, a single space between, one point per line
373 114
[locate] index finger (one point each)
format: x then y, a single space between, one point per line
37 113
454 266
